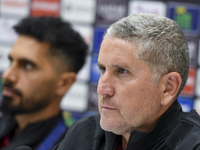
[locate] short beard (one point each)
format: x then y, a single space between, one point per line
6 108
25 106
6 102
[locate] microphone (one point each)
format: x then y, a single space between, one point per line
23 148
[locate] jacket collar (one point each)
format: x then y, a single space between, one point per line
151 140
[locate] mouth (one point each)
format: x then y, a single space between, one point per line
108 108
8 92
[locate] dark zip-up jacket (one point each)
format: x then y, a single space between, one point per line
35 135
175 130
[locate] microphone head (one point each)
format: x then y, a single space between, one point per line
23 148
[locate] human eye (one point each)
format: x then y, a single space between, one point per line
122 71
102 69
26 65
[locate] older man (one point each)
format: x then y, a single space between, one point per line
144 63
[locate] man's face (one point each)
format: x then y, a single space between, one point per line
128 100
30 79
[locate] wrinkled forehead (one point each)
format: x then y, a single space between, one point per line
117 49
136 43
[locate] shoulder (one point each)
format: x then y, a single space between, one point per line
186 135
82 134
85 124
192 125
192 118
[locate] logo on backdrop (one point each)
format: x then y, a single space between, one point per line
45 8
18 8
110 11
82 11
187 16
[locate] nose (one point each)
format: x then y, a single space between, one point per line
105 86
10 75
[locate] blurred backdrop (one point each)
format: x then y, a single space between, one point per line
91 18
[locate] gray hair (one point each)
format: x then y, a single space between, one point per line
159 41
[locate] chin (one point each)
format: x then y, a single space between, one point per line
115 125
114 128
108 125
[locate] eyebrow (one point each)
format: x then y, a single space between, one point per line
120 66
114 66
27 61
23 60
99 64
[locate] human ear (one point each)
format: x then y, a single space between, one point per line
171 84
66 80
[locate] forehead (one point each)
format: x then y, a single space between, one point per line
114 44
29 48
117 51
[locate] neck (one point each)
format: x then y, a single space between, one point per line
125 141
24 119
147 128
